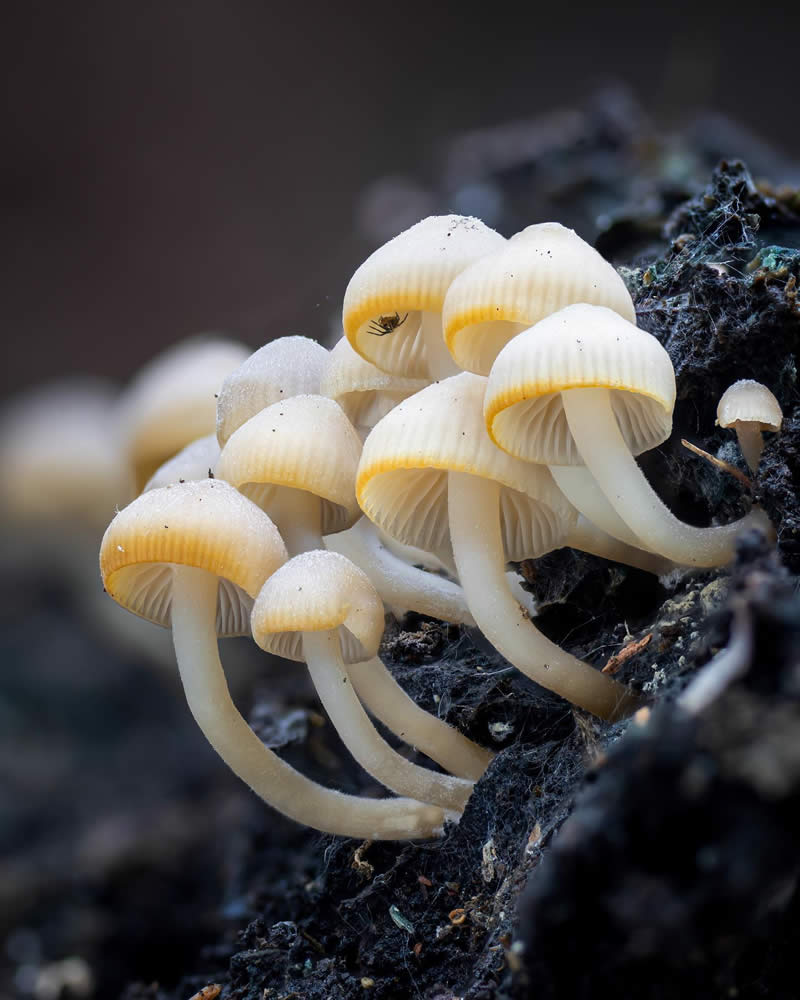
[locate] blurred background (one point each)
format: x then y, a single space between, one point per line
175 167
171 168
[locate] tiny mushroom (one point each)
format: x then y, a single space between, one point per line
586 387
319 607
749 408
191 557
393 303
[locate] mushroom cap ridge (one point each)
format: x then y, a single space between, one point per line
537 272
206 524
581 346
314 592
402 476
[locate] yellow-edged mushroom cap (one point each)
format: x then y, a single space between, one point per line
316 592
364 392
581 346
402 476
194 462
173 400
750 402
406 277
208 525
288 366
537 272
305 443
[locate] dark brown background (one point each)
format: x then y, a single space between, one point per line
175 167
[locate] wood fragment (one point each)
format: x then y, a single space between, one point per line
720 464
625 654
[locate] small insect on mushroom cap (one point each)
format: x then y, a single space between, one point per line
387 296
747 401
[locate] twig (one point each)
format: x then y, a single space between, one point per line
720 464
616 661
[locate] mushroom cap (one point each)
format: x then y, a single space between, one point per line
315 592
61 457
410 274
402 476
208 525
173 400
364 392
537 272
750 402
288 366
303 443
580 346
194 462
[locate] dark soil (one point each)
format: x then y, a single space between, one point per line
657 858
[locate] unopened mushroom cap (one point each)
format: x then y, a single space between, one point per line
61 457
288 366
195 461
173 400
580 346
747 401
364 392
315 592
537 272
208 525
402 476
410 275
305 443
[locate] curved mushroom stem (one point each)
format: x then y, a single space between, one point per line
297 514
401 586
601 445
581 489
323 655
474 506
440 361
589 538
387 701
751 443
194 608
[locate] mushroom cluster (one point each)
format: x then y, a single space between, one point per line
484 406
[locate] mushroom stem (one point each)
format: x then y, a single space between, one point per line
323 655
751 443
602 447
440 361
387 701
589 538
298 517
580 487
194 608
401 586
474 506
